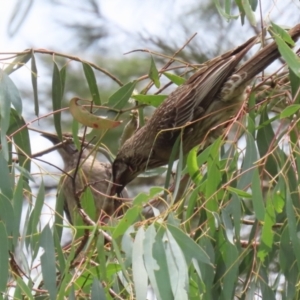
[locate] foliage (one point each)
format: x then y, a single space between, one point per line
228 227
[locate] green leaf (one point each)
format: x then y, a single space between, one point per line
4 257
283 34
6 182
249 12
150 263
193 167
63 74
240 193
120 98
91 79
245 180
97 290
264 138
224 13
266 290
253 4
213 183
35 216
140 277
295 84
177 267
17 203
239 4
289 111
17 63
257 199
289 56
102 257
24 288
21 139
287 263
267 235
229 230
231 257
156 263
192 206
57 99
153 100
9 94
128 219
153 73
189 247
174 78
292 223
48 261
34 75
61 260
8 217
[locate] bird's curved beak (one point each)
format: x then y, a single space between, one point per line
116 189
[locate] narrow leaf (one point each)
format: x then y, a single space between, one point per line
177 267
193 167
128 219
289 111
21 139
34 75
153 73
289 56
91 79
140 277
83 116
17 63
258 201
189 247
267 234
57 99
4 264
240 193
174 78
48 261
153 100
97 290
120 98
249 12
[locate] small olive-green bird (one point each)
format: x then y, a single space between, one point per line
198 110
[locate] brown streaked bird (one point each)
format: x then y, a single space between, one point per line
91 173
208 99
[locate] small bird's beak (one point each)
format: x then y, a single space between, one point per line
116 189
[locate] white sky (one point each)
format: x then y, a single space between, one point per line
41 28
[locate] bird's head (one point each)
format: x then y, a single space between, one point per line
124 171
125 168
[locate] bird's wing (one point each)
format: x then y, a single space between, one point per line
189 100
202 92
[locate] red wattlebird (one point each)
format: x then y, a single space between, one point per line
208 99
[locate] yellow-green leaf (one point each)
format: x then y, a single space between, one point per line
153 100
83 116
